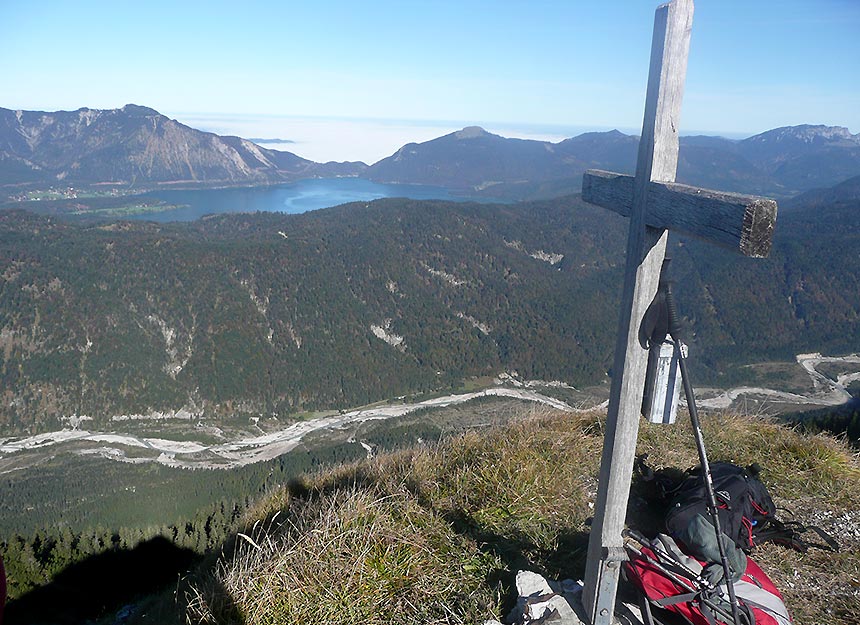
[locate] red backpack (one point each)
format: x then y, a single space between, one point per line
668 579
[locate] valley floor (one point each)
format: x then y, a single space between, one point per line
239 452
244 448
825 391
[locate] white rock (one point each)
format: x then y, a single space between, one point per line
540 599
531 584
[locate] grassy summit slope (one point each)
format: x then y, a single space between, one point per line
435 534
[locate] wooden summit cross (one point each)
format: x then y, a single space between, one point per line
655 205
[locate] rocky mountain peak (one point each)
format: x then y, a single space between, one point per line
471 132
136 110
807 133
137 143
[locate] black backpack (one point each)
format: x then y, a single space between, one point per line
746 509
743 503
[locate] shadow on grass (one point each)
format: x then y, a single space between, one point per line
103 585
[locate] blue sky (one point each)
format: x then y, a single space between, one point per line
754 65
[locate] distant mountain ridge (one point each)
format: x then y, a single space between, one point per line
137 145
782 161
472 159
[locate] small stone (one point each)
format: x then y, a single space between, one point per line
531 584
544 601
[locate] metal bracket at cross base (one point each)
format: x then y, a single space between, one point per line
613 557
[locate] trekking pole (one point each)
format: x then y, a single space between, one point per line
660 550
675 333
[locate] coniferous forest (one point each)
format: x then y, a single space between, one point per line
267 313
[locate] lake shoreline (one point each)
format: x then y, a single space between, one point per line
188 201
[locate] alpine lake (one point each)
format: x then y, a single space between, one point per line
296 197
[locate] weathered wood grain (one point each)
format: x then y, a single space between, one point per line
744 223
646 247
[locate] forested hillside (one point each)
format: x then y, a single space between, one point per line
804 297
272 313
269 312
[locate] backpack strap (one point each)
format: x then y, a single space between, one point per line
827 538
676 599
705 605
788 533
662 483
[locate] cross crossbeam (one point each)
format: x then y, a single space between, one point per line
744 223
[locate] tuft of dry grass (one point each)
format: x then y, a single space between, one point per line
353 556
435 534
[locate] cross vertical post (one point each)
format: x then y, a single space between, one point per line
646 247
